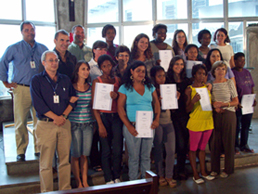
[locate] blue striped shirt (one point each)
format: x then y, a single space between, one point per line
82 113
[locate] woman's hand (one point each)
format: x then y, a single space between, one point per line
196 98
73 99
209 86
154 124
217 104
102 131
178 95
132 130
254 104
113 95
218 110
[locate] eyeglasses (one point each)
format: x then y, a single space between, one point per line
123 55
101 49
51 60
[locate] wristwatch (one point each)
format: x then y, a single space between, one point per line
65 116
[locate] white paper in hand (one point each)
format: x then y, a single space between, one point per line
143 124
102 99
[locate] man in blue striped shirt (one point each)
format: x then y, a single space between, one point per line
25 57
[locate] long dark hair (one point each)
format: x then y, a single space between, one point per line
208 62
227 40
134 48
153 73
128 82
171 73
174 42
75 72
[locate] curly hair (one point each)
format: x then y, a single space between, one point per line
134 49
171 73
201 33
128 82
76 70
197 67
157 27
174 42
227 40
208 62
106 28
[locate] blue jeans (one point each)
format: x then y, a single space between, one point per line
112 145
139 150
82 134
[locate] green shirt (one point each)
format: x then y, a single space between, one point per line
81 54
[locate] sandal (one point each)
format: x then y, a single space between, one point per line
97 168
171 182
162 182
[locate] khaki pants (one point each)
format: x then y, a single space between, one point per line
50 138
22 105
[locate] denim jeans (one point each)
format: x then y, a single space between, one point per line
82 134
139 150
112 145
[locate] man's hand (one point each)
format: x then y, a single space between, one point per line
59 121
10 85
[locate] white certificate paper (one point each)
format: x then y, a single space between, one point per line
205 100
168 94
143 124
247 103
189 66
102 99
165 56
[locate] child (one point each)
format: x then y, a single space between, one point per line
245 85
165 133
200 123
109 124
81 124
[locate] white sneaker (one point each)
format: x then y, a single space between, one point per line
117 181
110 182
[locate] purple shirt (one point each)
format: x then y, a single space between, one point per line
244 82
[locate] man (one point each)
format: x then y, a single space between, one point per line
67 61
77 47
53 97
99 48
25 57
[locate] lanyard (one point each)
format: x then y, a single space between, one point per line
54 89
32 53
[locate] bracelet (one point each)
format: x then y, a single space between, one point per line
229 104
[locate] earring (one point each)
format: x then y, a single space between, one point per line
131 77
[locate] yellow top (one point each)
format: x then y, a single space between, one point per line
200 120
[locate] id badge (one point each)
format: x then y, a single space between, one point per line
56 98
32 64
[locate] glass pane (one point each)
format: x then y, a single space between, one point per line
130 32
247 8
251 23
235 30
45 35
135 13
171 9
207 8
94 34
9 11
172 28
212 27
102 11
36 10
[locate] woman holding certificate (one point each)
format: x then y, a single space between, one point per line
224 101
200 123
177 75
137 97
109 123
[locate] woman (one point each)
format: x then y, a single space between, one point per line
122 55
177 75
109 124
137 94
179 43
213 56
200 123
81 124
109 33
164 135
224 100
141 51
204 38
159 33
221 39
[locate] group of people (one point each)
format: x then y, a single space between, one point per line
60 86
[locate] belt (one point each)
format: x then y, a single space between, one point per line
46 119
24 85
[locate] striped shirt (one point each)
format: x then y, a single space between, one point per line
82 112
224 92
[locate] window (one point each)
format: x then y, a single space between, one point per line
207 8
10 25
242 8
235 32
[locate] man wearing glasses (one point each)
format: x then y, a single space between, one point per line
25 57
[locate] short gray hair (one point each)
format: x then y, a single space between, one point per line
218 64
43 56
